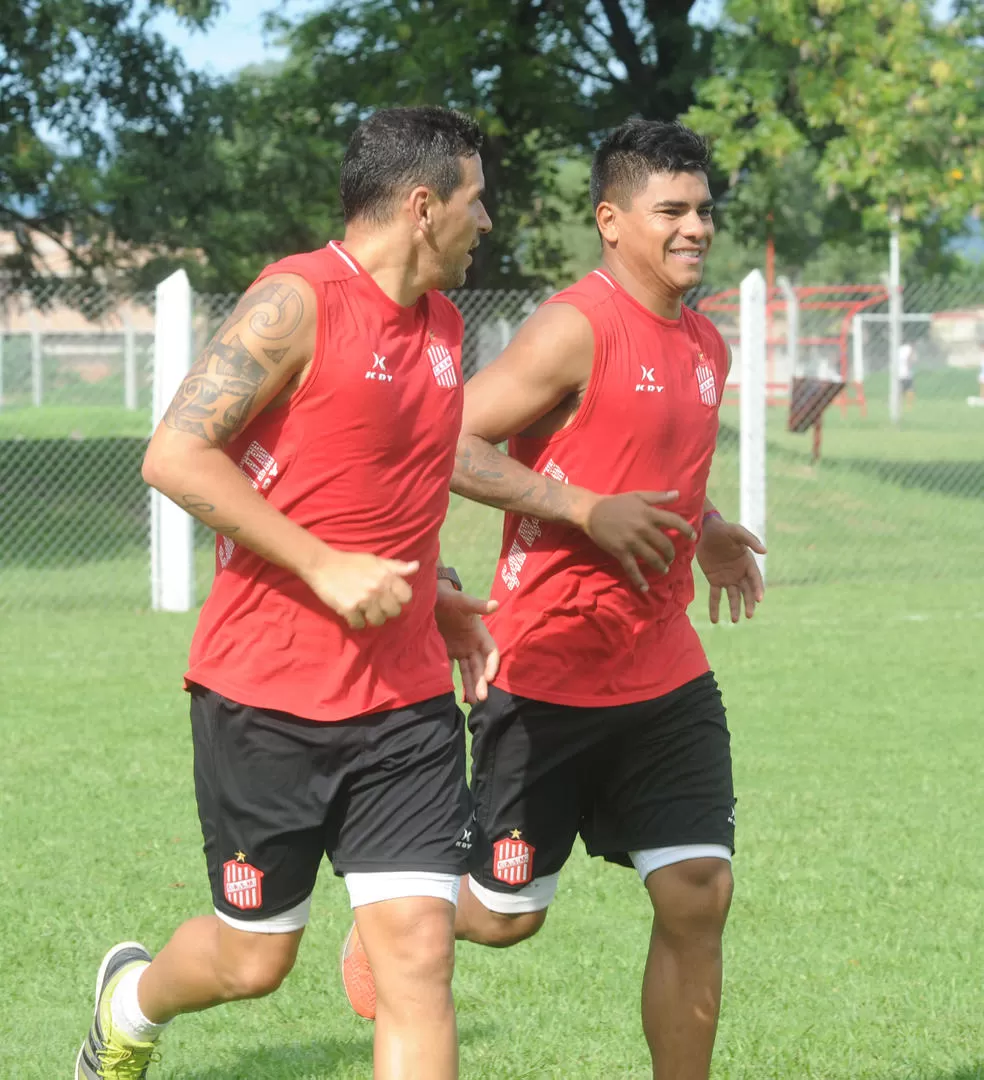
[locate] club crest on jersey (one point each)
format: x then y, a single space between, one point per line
242 884
706 383
442 365
512 860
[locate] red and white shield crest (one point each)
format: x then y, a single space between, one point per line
512 861
706 383
242 885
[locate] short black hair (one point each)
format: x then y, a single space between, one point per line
631 154
396 149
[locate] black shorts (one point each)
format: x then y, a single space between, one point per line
277 793
627 778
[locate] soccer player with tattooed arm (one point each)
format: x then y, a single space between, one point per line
605 719
316 435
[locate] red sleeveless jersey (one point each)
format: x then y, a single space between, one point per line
361 456
572 628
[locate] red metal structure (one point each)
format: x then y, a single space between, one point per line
831 333
845 300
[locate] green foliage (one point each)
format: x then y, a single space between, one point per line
74 75
824 114
245 177
836 113
543 79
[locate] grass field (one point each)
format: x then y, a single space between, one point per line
855 948
74 422
855 945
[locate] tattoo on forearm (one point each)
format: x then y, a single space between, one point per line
197 505
486 475
216 396
470 467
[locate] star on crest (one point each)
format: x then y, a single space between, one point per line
515 834
240 856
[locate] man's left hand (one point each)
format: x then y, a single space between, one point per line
459 618
725 555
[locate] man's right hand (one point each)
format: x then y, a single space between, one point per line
631 527
364 589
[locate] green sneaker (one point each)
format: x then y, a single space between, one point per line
107 1054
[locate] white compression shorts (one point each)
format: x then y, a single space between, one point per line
538 895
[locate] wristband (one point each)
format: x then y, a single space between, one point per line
710 514
448 573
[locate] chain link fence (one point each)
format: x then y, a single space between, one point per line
76 372
884 502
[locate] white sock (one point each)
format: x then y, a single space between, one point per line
125 1009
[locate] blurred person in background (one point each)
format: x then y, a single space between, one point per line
906 378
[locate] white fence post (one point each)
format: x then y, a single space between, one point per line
171 529
894 323
792 325
752 409
129 364
37 370
857 352
505 333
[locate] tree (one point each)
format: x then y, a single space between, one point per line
543 77
875 100
246 175
75 75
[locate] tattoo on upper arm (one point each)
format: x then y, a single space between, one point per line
216 396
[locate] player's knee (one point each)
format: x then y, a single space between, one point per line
419 953
692 899
501 931
254 974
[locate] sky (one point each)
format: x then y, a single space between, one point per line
234 40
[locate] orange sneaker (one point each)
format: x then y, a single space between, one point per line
360 986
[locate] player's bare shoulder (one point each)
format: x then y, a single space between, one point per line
257 357
555 345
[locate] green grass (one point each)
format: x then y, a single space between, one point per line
882 504
74 422
856 942
854 949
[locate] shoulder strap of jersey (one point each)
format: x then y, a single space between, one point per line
330 263
590 295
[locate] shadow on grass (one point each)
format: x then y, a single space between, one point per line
963 479
315 1058
957 478
320 1057
964 1072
